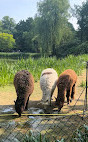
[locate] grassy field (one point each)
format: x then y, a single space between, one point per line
8 67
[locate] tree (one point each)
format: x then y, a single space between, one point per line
53 17
8 24
7 42
82 17
24 34
0 26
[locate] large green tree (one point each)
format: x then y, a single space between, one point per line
1 26
8 24
7 42
82 17
24 34
53 28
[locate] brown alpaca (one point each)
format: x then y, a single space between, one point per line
24 86
66 85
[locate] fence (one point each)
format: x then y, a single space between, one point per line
53 126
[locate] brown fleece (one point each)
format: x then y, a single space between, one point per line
66 85
24 86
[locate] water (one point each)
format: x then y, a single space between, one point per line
8 110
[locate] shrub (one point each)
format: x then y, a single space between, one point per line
39 138
83 84
82 48
81 135
67 48
74 48
7 42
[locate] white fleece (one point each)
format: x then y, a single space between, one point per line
48 82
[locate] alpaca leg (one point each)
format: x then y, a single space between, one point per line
68 95
26 107
51 97
52 91
50 100
73 91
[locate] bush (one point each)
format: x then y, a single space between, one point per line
74 48
81 135
67 48
39 138
7 42
82 48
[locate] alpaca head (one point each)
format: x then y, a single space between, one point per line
59 103
19 106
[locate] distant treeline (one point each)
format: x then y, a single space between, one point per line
49 33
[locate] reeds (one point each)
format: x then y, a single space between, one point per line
8 67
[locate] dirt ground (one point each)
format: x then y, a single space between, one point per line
8 95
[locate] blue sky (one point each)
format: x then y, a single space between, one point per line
22 9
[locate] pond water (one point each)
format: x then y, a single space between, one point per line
8 110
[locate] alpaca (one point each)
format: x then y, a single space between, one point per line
48 81
24 86
66 84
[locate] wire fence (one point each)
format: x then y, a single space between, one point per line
53 126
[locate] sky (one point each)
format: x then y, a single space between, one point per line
23 9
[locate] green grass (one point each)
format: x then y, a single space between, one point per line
83 84
81 135
9 67
39 138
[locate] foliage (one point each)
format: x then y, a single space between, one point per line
68 48
82 48
82 17
1 26
81 135
7 42
39 138
8 67
83 84
24 34
49 32
43 34
53 24
73 47
8 25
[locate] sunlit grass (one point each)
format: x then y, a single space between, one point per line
9 67
83 84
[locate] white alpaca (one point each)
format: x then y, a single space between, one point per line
48 81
